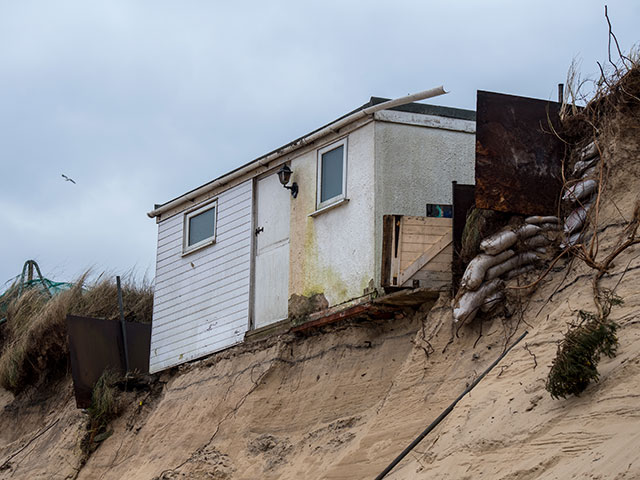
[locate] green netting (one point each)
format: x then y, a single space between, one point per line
19 285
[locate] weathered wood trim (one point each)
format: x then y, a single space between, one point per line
387 250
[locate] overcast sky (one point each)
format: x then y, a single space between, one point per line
141 101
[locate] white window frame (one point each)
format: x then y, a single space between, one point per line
186 248
342 196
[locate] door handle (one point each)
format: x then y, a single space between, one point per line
258 230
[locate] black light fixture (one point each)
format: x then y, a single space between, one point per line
284 174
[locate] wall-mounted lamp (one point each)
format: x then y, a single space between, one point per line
284 174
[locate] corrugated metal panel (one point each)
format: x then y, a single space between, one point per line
201 302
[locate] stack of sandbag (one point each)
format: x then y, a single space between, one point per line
581 194
506 254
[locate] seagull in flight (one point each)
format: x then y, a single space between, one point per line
68 179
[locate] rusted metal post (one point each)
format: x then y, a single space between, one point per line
560 93
122 324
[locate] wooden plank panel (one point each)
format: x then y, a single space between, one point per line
427 221
425 230
421 238
432 265
428 255
414 250
413 254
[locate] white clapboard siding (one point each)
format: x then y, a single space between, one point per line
168 254
201 300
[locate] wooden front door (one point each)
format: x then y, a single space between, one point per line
271 263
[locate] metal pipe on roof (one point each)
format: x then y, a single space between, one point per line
331 128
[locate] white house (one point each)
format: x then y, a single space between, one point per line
232 252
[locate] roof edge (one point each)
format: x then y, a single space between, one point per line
374 104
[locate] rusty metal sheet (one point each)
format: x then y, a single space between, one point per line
96 344
464 199
518 158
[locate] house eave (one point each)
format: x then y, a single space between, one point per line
374 105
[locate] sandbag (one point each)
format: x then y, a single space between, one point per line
537 241
575 239
475 271
519 271
549 227
582 165
492 301
537 219
499 242
527 230
466 307
590 173
576 219
588 152
510 264
580 190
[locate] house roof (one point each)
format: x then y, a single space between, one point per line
419 108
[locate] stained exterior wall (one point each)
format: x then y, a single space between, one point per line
333 253
395 165
417 158
201 301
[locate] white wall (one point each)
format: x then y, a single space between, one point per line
333 253
201 301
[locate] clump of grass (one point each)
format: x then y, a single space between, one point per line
579 353
100 300
104 407
35 346
36 343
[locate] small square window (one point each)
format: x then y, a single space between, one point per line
332 173
200 227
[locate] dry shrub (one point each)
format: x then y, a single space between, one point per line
35 346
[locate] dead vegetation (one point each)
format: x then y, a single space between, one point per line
606 120
35 338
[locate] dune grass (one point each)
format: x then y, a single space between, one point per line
35 336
